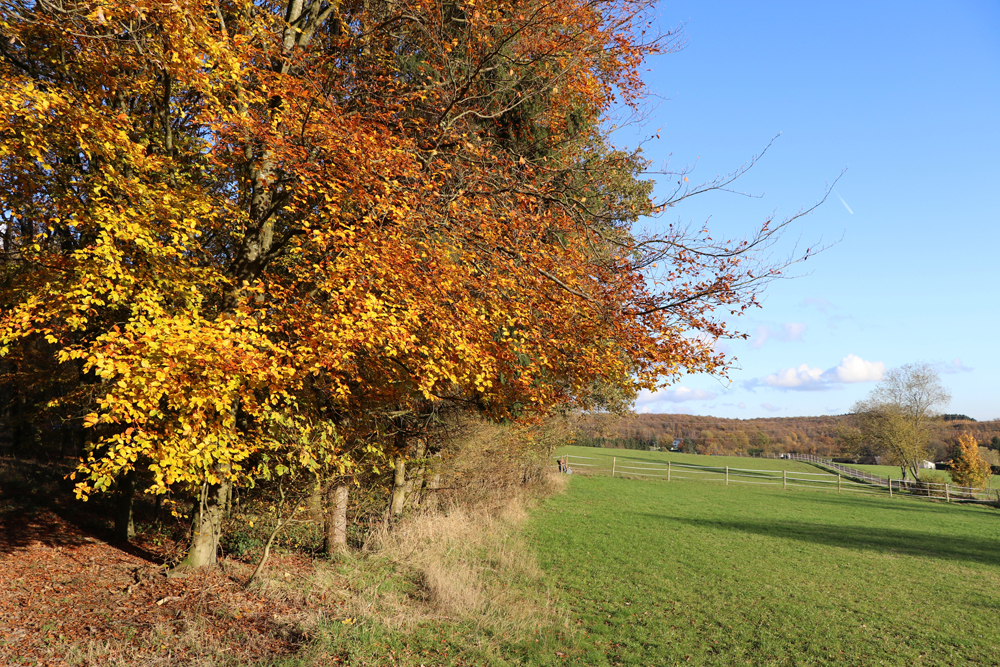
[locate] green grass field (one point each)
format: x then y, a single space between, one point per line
604 456
651 573
662 573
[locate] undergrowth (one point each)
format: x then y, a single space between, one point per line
456 586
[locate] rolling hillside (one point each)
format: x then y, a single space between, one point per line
811 435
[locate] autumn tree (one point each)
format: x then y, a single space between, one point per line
258 236
761 442
968 468
896 420
741 442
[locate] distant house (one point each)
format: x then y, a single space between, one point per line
677 445
927 465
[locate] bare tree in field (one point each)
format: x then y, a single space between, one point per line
895 420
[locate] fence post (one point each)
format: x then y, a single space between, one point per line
668 471
614 462
784 479
947 494
890 488
727 475
838 482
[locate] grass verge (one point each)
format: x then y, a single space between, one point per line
456 588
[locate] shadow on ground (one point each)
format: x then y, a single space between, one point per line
859 538
922 505
37 507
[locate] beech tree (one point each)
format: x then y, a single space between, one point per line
262 235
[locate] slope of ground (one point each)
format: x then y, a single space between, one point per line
613 572
603 459
807 435
663 573
70 596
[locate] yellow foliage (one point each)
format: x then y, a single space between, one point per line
238 234
968 468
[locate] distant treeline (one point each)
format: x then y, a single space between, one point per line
709 435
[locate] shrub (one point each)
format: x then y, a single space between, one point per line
932 483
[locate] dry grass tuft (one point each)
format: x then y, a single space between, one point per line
460 564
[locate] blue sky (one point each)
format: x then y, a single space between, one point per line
906 96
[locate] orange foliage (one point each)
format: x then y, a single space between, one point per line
240 221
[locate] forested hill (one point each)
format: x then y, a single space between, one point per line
706 435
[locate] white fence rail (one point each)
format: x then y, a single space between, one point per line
841 479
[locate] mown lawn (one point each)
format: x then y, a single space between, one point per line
660 573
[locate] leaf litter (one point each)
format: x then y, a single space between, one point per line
71 597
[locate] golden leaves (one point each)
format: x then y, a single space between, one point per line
322 234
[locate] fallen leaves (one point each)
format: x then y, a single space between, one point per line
68 594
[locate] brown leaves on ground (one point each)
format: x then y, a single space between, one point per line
69 597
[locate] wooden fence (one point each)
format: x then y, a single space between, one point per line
836 479
826 462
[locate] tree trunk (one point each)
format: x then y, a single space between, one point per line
207 528
336 519
415 488
432 482
314 502
398 487
124 527
415 484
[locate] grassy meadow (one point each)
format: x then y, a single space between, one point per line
603 458
625 572
692 573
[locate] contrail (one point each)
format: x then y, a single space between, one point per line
843 202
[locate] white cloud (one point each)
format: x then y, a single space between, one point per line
770 408
668 409
760 337
673 395
853 368
803 377
786 333
792 331
955 366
